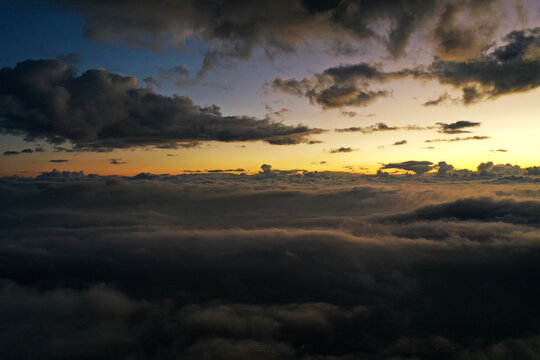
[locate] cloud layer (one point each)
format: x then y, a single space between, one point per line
274 265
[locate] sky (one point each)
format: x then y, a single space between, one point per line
282 79
284 179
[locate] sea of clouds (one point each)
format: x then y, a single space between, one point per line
277 265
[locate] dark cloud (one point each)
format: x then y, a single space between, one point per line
266 169
459 139
369 129
511 65
340 86
327 93
99 111
179 75
489 168
116 162
402 142
341 150
533 170
226 170
456 127
457 39
444 169
234 29
499 150
445 97
274 265
23 151
58 161
348 113
418 167
480 209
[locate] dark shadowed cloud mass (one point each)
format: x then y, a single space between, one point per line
456 127
418 167
98 110
510 65
116 162
274 265
235 29
341 150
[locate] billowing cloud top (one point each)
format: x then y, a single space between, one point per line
98 110
509 66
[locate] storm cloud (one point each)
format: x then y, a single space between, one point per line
100 111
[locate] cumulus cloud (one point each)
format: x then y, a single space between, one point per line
418 167
499 169
334 88
99 111
444 169
510 65
533 170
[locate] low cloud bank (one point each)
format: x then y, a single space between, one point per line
281 264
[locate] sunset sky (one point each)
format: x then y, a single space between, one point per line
270 179
269 68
